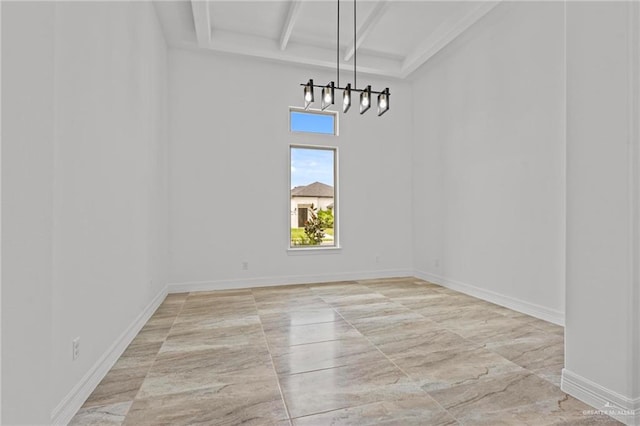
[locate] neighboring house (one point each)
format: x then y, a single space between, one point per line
317 194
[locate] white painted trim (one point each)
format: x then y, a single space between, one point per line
310 250
444 35
1 227
316 56
71 403
202 21
367 26
563 165
619 407
633 66
528 308
235 283
289 23
335 248
285 50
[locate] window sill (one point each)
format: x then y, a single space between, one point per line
302 251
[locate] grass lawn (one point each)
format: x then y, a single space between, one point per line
298 233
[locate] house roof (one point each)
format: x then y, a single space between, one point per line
316 189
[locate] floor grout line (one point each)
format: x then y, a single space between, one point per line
325 293
473 342
273 365
393 363
155 356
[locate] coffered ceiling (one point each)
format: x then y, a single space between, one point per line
393 37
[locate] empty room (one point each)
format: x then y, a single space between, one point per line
320 212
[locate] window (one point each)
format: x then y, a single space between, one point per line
313 198
323 122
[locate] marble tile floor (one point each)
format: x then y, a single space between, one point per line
396 351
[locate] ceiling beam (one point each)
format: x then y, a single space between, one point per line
202 21
324 57
445 34
289 23
378 11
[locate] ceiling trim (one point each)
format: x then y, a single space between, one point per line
202 22
285 50
446 33
374 17
259 47
289 23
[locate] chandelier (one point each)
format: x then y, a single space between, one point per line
328 91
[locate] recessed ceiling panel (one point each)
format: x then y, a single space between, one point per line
317 22
256 18
395 36
407 24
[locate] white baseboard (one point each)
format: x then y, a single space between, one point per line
603 400
67 408
71 403
285 280
541 312
534 310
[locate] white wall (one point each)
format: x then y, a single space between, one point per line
0 222
110 194
229 176
84 191
27 215
489 160
85 186
603 89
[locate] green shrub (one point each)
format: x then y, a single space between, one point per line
314 228
326 218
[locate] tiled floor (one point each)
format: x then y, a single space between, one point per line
393 352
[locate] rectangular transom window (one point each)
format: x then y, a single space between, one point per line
323 122
313 197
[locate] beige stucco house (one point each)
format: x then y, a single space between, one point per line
318 194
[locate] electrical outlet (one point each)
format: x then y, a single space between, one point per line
436 263
245 265
75 346
378 259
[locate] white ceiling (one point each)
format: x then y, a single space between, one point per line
394 37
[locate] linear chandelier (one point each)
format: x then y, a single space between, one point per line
328 91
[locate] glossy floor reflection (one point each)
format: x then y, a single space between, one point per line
392 351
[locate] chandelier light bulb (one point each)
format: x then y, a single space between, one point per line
383 102
308 94
365 100
346 98
327 95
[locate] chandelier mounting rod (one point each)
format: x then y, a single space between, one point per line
355 48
